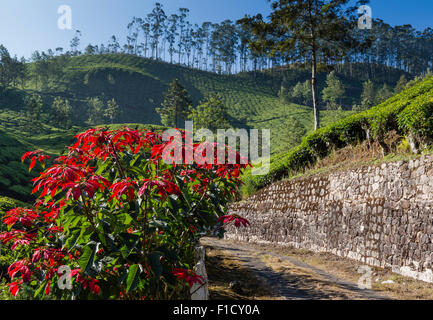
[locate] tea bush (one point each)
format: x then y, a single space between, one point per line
409 112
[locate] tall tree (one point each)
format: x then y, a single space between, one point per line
33 113
294 132
22 72
134 28
301 92
157 19
145 27
112 111
61 111
183 15
96 111
244 33
172 34
401 84
175 107
333 92
75 43
188 42
210 114
207 31
316 29
6 63
368 95
383 94
113 44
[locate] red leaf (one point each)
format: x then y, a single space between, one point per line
32 164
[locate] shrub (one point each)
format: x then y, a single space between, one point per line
115 221
417 119
407 113
6 204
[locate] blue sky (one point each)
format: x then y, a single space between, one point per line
27 25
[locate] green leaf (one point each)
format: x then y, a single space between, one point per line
130 242
158 225
170 254
155 262
41 288
128 219
73 239
101 167
87 258
134 160
122 278
133 277
75 221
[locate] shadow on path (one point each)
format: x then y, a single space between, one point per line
300 282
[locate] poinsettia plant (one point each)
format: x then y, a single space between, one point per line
115 220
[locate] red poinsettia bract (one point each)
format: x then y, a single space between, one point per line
187 275
237 220
103 177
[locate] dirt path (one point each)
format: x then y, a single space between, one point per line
286 277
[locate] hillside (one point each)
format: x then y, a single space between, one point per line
14 175
14 178
138 84
403 121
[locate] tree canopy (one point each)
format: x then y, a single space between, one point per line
306 32
174 109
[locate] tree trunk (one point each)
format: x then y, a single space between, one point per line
314 88
313 66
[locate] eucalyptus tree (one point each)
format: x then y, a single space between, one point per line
244 34
228 43
112 111
207 31
198 39
90 49
75 43
33 106
103 49
61 112
188 42
171 34
113 44
95 111
157 19
223 45
5 67
132 37
145 27
183 15
214 45
22 72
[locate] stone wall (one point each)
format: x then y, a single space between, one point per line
380 215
